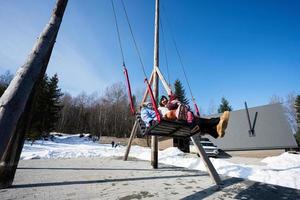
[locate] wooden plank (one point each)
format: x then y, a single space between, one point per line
162 130
209 166
180 132
165 126
132 136
175 133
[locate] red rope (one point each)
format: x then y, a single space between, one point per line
196 108
129 89
153 101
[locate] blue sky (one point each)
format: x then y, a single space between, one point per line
243 50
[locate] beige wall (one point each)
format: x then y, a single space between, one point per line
256 153
164 143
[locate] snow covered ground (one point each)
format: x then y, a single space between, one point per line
283 170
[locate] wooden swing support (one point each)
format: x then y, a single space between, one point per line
155 76
195 138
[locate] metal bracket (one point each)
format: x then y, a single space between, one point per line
251 130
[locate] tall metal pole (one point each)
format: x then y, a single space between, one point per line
154 140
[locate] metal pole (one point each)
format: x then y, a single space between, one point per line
154 140
249 121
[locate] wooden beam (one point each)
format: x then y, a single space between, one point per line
132 136
146 92
163 80
154 139
209 166
16 102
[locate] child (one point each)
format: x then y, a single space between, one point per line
148 115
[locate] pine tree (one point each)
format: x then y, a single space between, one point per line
54 104
2 89
224 106
297 107
39 111
46 108
180 92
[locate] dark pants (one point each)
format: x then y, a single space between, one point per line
208 126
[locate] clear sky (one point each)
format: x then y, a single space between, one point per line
243 50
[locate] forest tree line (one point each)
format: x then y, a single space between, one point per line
53 111
105 115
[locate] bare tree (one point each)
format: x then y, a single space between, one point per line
288 106
212 108
6 78
276 99
105 115
291 111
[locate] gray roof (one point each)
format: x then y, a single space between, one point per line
272 130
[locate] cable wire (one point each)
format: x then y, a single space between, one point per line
165 50
118 32
179 56
133 38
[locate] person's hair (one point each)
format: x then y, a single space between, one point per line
161 100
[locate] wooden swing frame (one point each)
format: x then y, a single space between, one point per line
154 148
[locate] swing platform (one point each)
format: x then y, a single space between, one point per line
165 128
173 129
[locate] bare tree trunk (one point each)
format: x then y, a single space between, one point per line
11 156
16 102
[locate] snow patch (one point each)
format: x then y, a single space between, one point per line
283 170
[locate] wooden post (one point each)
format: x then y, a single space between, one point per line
147 92
132 136
209 166
16 101
11 156
154 139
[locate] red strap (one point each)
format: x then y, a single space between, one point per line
129 89
153 100
196 108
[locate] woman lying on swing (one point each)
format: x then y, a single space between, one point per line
173 109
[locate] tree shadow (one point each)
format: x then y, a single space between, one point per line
175 169
262 191
223 154
237 188
213 189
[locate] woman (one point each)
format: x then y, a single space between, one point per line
162 108
213 126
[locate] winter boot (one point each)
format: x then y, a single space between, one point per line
222 125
